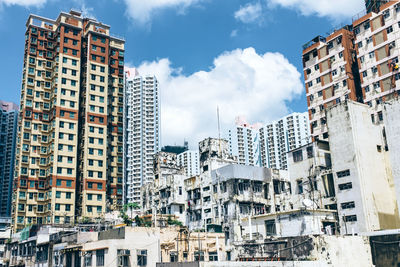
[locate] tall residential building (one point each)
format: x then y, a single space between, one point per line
189 161
142 132
8 134
377 40
70 143
374 5
244 142
331 76
281 136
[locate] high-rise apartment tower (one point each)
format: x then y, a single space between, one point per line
244 142
142 132
281 136
331 76
8 134
69 156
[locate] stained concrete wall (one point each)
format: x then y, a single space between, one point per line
391 118
357 145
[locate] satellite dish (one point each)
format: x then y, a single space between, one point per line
307 203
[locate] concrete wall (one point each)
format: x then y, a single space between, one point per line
357 145
392 126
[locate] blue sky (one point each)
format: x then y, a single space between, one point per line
244 56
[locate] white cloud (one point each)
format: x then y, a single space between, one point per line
249 13
234 33
23 2
335 9
142 11
240 82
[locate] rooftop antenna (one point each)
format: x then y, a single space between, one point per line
219 133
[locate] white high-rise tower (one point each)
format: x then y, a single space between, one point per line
142 131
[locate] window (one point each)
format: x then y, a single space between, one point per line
298 156
345 186
199 256
389 29
310 152
142 257
213 256
360 44
350 218
371 54
299 186
88 259
100 257
343 173
364 74
270 227
380 116
348 205
68 195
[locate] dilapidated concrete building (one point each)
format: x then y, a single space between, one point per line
165 195
362 170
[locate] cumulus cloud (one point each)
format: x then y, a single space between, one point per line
26 3
240 82
336 10
249 13
141 11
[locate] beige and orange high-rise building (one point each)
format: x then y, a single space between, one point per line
331 75
69 157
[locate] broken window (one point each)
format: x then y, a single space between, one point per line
270 228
